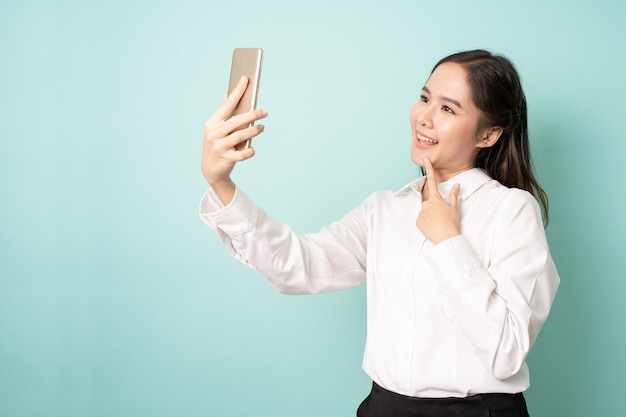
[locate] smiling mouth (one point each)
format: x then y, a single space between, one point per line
425 140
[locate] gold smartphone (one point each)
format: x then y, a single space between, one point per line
246 61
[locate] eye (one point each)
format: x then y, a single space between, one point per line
424 98
447 109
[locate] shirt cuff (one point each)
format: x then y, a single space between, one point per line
238 217
453 258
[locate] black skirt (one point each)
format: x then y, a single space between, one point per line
383 403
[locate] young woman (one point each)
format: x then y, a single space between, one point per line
458 271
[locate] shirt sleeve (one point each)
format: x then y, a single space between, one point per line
500 305
332 259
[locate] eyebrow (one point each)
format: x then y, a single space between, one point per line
444 98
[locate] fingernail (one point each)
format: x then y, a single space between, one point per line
242 79
263 113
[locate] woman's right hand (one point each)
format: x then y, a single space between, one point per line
219 153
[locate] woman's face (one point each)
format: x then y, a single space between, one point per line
445 123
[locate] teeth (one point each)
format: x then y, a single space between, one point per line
425 139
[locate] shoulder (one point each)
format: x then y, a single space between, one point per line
509 203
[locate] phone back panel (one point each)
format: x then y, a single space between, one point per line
246 61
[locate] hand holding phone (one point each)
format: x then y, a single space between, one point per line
221 149
246 61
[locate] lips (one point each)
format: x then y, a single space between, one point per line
426 140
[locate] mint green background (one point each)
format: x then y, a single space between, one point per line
115 300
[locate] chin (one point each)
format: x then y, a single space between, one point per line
418 158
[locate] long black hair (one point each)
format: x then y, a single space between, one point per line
497 91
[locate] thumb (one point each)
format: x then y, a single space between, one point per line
454 196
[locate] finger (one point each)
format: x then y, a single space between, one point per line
239 89
234 124
242 135
454 196
231 100
431 178
240 155
245 119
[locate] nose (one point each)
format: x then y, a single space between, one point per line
425 114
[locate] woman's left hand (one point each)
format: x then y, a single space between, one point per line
438 220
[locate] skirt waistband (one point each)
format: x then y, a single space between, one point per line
384 403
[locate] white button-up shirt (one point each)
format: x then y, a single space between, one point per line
447 320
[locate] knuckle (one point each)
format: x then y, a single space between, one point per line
240 135
234 122
240 156
210 127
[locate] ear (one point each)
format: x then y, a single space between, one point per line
489 137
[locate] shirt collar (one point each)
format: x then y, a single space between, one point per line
470 181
